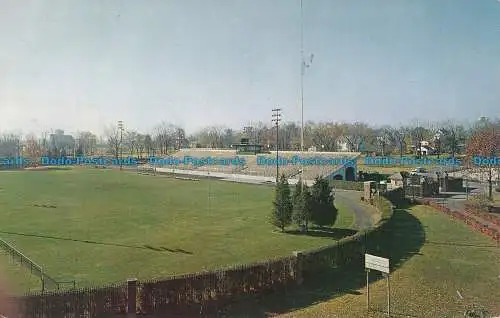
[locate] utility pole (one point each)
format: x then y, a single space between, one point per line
120 127
276 120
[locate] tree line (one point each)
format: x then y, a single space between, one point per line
444 137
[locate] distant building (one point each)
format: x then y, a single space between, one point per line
61 144
425 149
10 147
396 180
342 145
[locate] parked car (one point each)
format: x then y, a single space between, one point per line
419 170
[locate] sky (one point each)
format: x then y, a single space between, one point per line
83 65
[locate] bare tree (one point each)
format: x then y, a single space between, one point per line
180 135
215 136
140 145
149 145
112 135
164 137
356 135
131 140
485 143
398 138
326 135
44 142
32 147
383 138
452 137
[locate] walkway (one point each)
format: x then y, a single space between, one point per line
364 213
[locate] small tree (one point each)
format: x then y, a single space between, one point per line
282 212
484 143
324 211
308 208
301 206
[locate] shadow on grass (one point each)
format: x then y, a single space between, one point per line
333 233
143 247
161 249
401 240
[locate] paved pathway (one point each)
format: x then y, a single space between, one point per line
363 213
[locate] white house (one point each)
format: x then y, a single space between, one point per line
425 148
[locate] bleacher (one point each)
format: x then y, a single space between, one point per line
253 168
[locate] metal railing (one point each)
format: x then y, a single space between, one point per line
34 268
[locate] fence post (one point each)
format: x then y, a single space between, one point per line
131 297
299 257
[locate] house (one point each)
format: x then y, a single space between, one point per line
425 149
396 180
342 145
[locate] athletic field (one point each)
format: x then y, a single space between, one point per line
98 226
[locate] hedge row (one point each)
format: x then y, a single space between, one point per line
472 222
489 217
347 185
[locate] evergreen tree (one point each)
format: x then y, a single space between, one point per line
324 212
298 205
282 212
308 206
301 206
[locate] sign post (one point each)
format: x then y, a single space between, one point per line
388 297
382 265
367 291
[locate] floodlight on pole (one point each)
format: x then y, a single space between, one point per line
303 66
120 127
276 120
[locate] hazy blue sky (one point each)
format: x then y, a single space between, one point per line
87 63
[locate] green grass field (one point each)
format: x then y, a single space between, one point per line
437 257
97 226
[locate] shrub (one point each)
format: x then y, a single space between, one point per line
324 211
282 211
347 185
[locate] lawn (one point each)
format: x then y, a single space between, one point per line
436 258
98 225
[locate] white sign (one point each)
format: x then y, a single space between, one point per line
377 263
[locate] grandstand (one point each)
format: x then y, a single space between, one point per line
340 165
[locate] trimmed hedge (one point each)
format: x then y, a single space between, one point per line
347 185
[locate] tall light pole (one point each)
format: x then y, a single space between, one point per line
120 127
276 120
303 66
